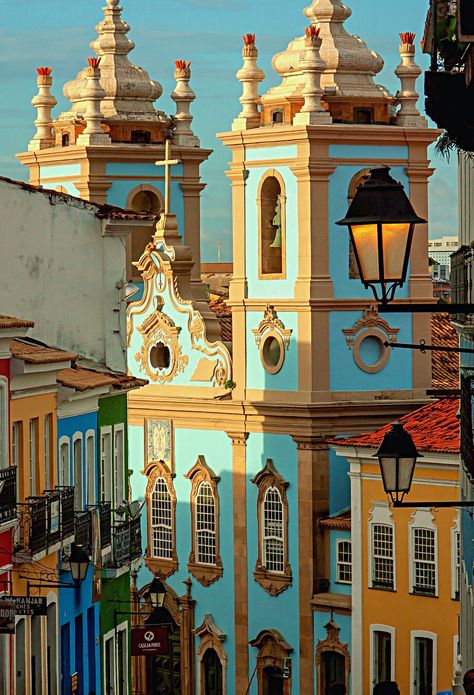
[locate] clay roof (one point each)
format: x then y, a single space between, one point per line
38 354
434 427
103 211
224 315
445 365
12 322
83 379
341 521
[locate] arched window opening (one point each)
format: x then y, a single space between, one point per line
141 199
277 117
212 673
160 356
140 137
272 681
205 525
273 542
333 661
65 140
272 224
273 663
356 182
146 201
162 520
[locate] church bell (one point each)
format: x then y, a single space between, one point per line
276 222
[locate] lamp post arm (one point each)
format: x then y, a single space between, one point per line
425 348
406 308
435 505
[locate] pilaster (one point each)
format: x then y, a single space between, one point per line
187 604
313 504
239 477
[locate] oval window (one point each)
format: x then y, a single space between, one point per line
160 356
272 354
370 350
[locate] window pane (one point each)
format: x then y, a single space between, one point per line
118 468
344 562
78 474
273 541
161 520
382 561
205 525
90 465
47 451
424 556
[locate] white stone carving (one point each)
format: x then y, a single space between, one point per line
312 112
92 95
408 72
250 75
44 102
183 96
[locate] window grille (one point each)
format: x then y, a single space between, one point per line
344 562
382 557
424 558
161 520
273 541
205 525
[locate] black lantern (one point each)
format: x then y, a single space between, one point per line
157 592
381 221
397 457
79 563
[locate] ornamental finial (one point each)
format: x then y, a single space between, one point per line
250 76
408 72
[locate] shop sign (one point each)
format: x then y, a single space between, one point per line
7 615
30 605
149 641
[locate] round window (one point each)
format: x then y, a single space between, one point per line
370 350
160 356
272 354
370 353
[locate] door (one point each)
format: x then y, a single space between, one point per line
65 660
272 681
423 680
382 651
212 673
334 670
163 673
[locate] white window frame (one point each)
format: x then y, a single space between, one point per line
17 429
119 491
106 486
339 564
205 527
112 635
4 420
164 526
78 484
421 519
64 441
48 440
378 627
381 514
455 559
122 629
434 638
33 427
270 537
91 470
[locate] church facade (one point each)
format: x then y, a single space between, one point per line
228 443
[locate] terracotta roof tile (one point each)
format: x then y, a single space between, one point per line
445 365
224 315
12 322
37 354
84 379
434 427
341 521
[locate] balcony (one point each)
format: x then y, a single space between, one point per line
126 547
105 526
7 494
461 280
46 522
83 530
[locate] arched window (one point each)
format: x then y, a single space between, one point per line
272 569
204 561
211 658
333 661
273 663
143 198
212 673
161 557
356 182
271 201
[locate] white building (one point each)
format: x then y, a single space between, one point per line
440 250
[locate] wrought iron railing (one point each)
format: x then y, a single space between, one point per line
7 494
83 530
126 543
135 539
105 524
46 521
460 280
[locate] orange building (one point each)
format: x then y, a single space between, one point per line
405 574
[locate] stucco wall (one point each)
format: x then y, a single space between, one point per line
59 270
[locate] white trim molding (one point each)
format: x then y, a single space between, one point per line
381 515
434 638
378 627
421 519
455 537
64 440
4 422
356 538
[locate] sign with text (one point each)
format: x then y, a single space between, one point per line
149 640
7 616
30 605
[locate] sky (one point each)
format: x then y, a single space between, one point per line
207 32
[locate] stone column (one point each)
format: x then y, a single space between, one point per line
239 469
312 112
187 604
313 504
93 94
183 96
250 75
408 72
44 102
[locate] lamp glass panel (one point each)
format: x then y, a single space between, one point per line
405 473
395 240
388 468
364 237
79 570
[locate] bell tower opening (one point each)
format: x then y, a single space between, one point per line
271 201
147 200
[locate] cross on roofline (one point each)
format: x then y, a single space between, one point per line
167 162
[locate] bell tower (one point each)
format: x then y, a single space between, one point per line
104 147
299 152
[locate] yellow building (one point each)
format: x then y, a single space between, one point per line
405 573
46 514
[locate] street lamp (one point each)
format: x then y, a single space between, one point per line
381 222
156 593
78 563
397 457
